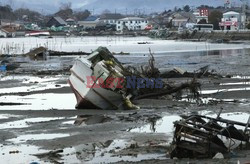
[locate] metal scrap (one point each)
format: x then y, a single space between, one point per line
199 136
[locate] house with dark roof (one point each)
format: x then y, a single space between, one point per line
181 18
161 20
111 18
89 23
56 21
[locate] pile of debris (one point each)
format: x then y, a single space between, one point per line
42 53
39 53
63 53
101 81
198 136
7 64
202 72
150 72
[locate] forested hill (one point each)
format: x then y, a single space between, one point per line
6 12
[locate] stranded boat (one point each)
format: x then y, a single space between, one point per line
98 82
37 33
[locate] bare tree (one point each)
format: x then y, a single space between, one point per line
10 3
81 15
106 11
186 8
65 6
214 18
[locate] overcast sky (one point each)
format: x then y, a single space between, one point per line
97 6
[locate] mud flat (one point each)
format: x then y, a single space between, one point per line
39 123
94 136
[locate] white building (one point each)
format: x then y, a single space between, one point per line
231 21
89 23
70 22
110 18
3 33
131 24
7 32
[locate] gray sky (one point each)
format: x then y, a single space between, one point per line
97 6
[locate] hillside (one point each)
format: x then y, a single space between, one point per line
46 6
6 13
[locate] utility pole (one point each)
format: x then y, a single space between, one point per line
243 13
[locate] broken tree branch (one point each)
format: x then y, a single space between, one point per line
193 87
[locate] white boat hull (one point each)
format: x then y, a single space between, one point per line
88 97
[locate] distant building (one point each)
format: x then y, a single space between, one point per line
89 23
201 14
56 21
6 22
231 21
247 18
111 18
15 25
7 32
70 22
227 4
3 33
180 19
131 23
161 20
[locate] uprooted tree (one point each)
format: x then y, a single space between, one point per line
150 72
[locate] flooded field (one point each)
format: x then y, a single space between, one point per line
39 122
113 43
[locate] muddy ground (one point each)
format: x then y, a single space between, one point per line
37 112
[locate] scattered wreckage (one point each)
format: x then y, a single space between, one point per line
39 53
42 53
101 81
199 136
202 72
8 65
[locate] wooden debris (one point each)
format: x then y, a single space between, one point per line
193 87
54 156
178 73
39 53
63 53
